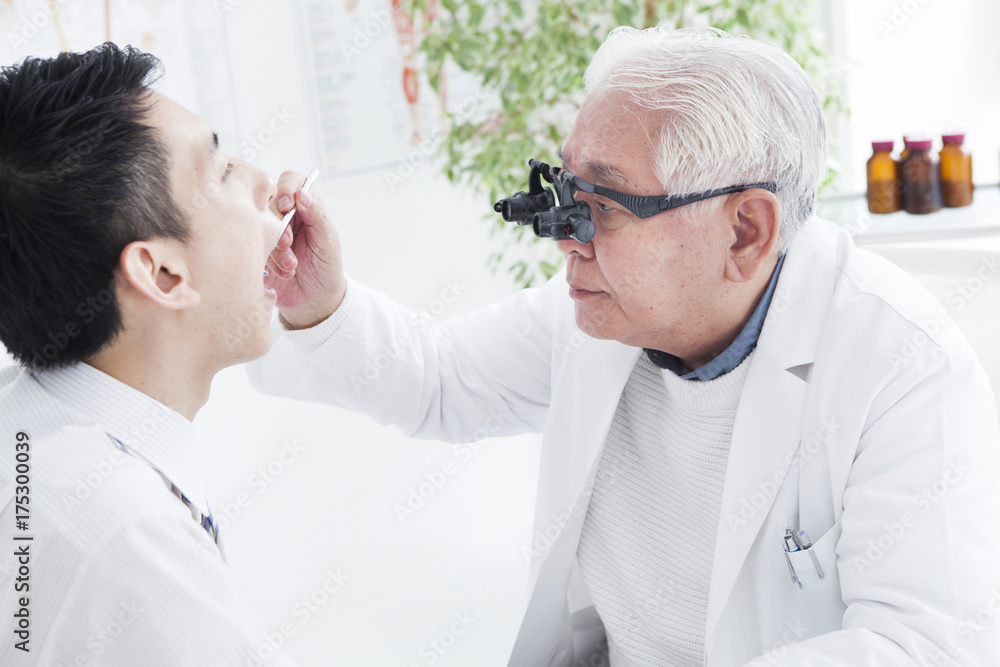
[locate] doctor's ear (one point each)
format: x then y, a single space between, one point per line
753 219
156 269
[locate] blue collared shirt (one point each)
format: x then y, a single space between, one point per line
737 351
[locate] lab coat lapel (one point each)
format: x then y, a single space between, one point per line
584 403
765 437
769 418
605 378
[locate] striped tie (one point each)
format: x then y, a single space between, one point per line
209 523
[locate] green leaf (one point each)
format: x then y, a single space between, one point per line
475 15
468 53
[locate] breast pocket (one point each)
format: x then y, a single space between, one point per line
820 598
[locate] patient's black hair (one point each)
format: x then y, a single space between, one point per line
81 176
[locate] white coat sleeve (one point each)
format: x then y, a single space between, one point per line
919 556
488 373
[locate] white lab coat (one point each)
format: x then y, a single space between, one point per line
865 420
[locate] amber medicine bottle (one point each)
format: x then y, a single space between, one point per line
885 189
956 172
921 187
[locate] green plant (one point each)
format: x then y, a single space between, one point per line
534 54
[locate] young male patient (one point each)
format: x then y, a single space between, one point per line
133 255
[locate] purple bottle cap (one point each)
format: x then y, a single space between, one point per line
883 145
918 142
953 138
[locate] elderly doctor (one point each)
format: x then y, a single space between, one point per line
761 445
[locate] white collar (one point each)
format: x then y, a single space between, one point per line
157 433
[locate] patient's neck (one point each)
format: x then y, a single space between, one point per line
176 377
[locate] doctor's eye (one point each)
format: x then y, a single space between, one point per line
608 216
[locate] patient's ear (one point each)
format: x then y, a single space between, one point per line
156 269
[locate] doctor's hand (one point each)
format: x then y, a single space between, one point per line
305 268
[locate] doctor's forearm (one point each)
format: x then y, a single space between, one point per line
400 368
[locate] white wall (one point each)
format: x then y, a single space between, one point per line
925 65
333 508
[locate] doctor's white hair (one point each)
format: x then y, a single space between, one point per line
733 111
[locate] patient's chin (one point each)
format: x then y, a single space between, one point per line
258 346
247 338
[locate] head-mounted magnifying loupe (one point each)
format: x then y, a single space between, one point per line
573 219
537 207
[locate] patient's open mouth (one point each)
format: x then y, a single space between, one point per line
268 289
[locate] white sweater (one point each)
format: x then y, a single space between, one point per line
649 536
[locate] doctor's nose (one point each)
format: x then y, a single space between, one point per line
569 247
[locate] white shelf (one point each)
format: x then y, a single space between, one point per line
982 218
